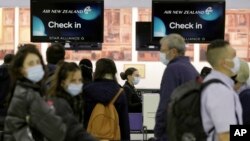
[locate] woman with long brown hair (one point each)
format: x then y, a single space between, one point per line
29 117
65 95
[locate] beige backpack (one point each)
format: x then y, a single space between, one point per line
104 121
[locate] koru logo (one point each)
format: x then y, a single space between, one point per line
209 10
87 10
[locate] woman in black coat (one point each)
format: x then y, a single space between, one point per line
65 90
133 78
102 90
28 114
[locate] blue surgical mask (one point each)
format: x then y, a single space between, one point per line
35 74
136 80
74 89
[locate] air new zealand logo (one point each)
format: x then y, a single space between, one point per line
87 10
209 10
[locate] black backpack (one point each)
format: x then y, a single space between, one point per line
184 121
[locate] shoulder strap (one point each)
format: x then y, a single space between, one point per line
236 115
116 96
204 85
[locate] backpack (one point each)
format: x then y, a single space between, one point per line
184 122
104 121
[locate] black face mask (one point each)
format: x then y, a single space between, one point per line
234 78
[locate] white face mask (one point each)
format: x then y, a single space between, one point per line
163 58
236 66
74 89
35 74
136 80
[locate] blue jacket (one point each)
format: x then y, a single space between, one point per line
103 91
178 71
245 102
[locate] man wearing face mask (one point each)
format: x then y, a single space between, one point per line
134 101
220 105
178 71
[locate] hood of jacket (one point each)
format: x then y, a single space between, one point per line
101 90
